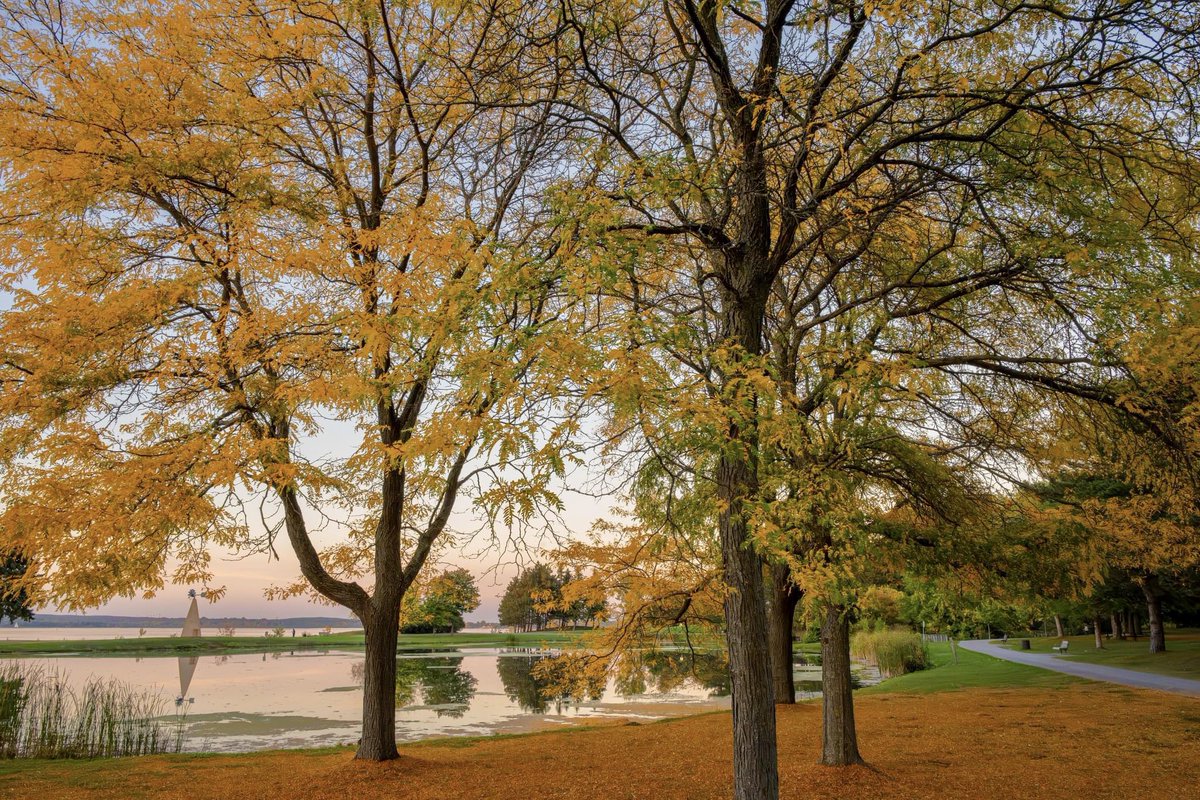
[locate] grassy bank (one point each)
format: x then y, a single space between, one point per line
972 671
217 645
1181 659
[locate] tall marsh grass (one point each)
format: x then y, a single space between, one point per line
41 716
894 652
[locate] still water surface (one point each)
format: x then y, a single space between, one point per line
309 698
16 633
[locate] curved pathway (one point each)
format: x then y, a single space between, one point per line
1082 669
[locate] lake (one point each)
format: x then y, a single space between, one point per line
310 698
17 634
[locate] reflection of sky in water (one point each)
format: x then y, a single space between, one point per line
305 698
16 633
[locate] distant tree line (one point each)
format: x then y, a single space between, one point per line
533 601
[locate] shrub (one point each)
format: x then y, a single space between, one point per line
894 652
880 604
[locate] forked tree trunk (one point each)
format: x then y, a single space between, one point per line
1097 632
839 740
1158 637
1058 626
785 595
1118 631
378 741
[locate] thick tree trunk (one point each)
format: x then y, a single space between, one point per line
380 616
1158 637
755 762
1117 630
1097 632
1058 626
784 597
755 775
840 742
378 741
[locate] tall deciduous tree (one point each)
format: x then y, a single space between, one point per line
752 136
227 230
437 604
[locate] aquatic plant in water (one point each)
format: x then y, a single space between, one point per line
42 716
894 652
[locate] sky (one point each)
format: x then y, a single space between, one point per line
246 579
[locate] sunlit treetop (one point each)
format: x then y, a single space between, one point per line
260 260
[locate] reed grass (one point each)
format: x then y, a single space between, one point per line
894 652
42 716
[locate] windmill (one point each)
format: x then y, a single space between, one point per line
187 664
191 623
187 668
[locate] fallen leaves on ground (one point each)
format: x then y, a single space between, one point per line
1085 740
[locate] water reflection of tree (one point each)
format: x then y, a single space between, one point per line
666 670
520 684
438 681
531 688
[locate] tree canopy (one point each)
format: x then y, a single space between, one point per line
438 603
821 277
231 230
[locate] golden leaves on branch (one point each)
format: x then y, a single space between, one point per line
214 261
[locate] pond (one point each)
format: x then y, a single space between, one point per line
306 698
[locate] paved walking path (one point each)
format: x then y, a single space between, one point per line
1082 669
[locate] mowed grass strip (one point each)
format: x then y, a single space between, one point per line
1075 740
1181 659
969 671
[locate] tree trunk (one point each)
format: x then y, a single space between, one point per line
755 773
1136 623
784 597
1153 593
755 762
1118 631
378 741
1058 626
840 742
1097 632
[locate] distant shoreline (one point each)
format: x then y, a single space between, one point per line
111 621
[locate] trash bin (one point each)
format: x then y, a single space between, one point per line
1025 644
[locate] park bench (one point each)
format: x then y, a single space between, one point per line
1062 646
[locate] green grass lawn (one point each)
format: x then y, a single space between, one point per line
972 671
1181 659
216 645
180 645
420 641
